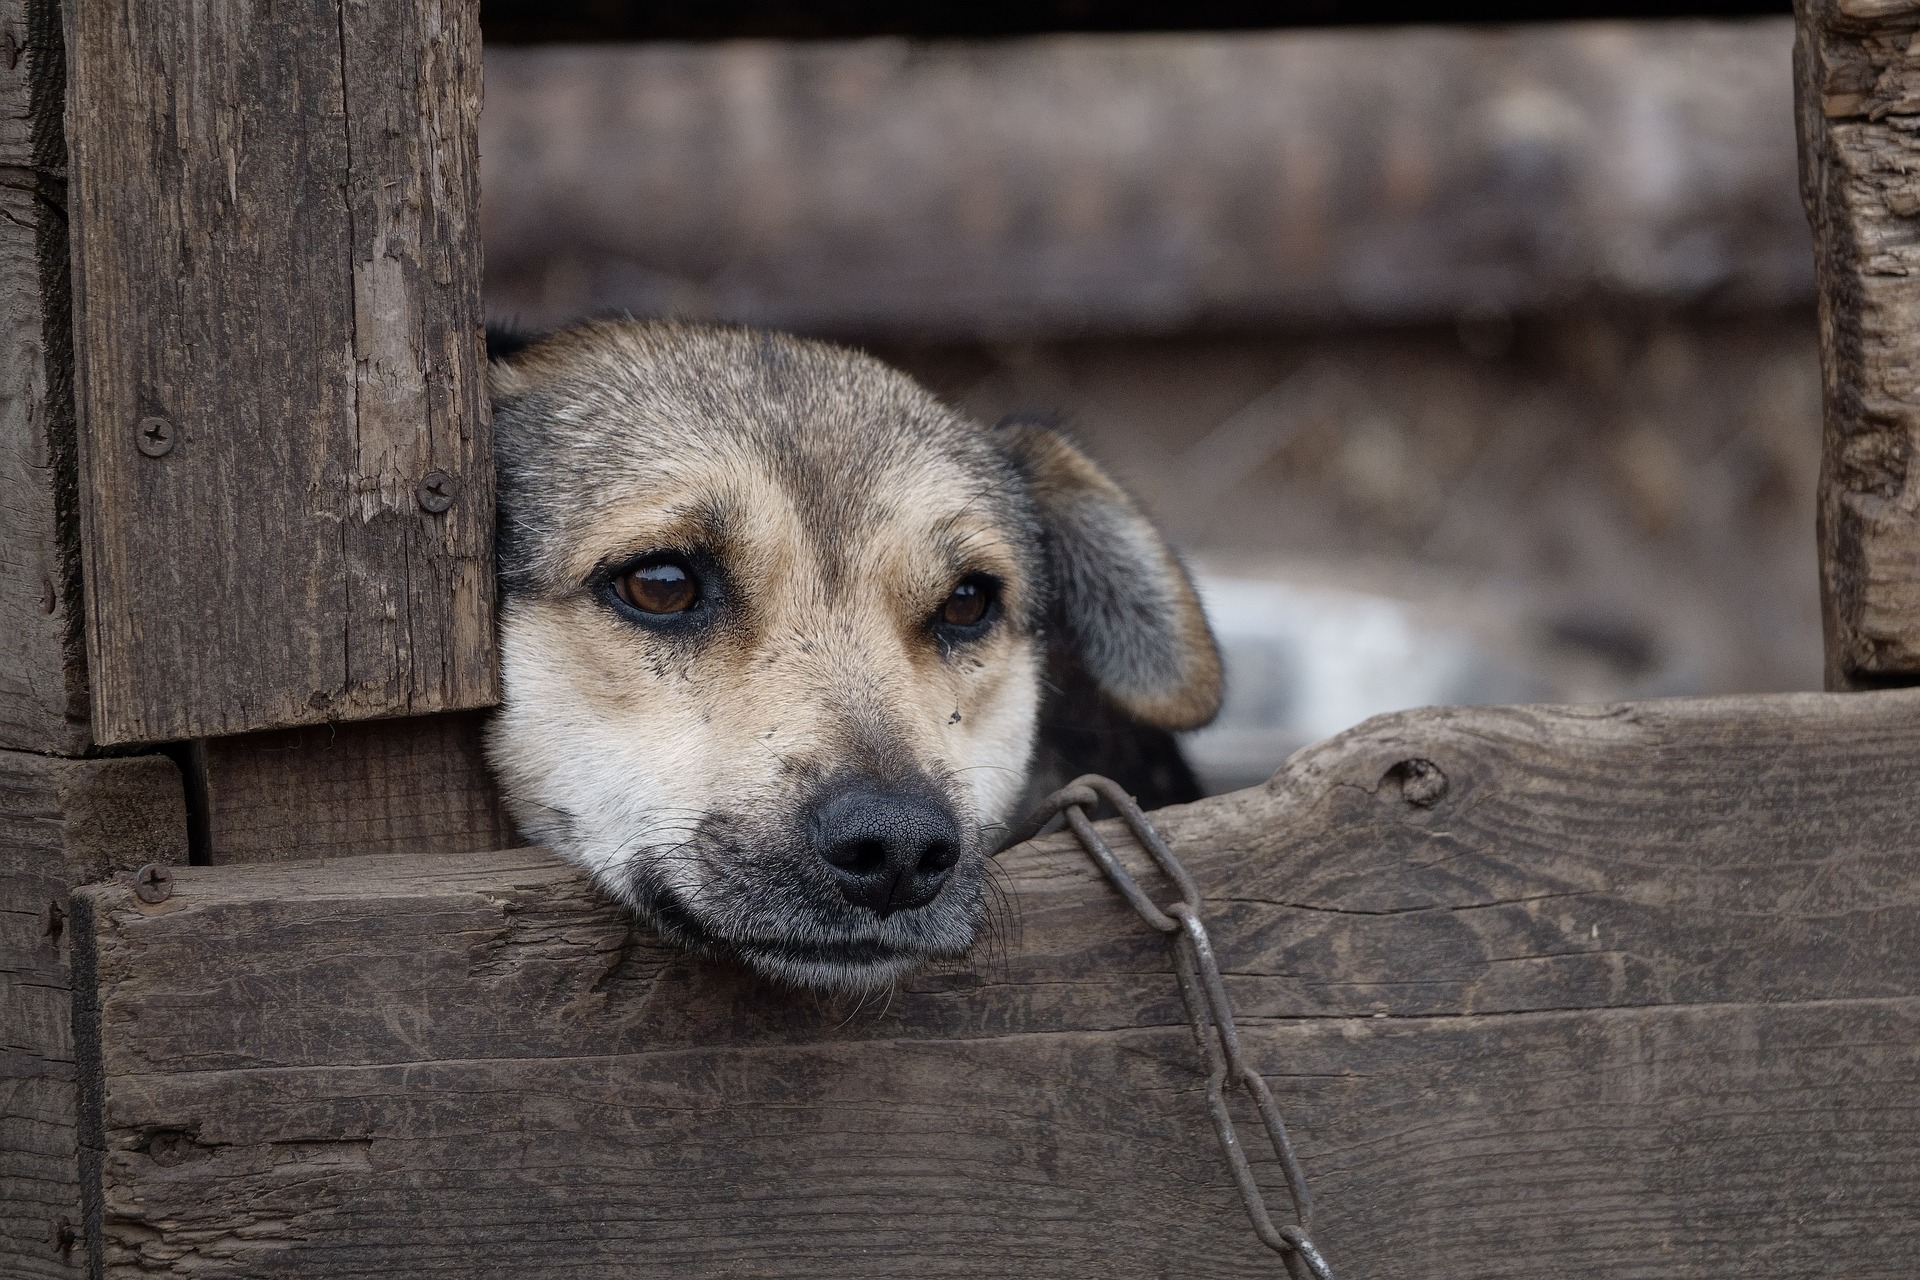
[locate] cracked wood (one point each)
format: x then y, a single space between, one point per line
43 681
1857 78
276 259
1630 994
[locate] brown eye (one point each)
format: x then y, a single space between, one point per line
658 586
969 603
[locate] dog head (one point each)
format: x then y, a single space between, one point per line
773 629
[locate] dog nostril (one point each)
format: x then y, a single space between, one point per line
938 857
861 857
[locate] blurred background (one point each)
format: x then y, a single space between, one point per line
1465 364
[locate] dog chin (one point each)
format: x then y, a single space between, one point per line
851 970
815 960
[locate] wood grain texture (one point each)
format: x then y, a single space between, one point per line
62 823
1631 996
1858 98
275 253
351 790
43 683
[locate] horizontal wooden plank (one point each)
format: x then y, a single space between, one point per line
1062 187
62 823
418 784
43 674
572 20
1565 1010
1630 1143
1710 851
287 492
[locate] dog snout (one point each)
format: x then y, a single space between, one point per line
886 850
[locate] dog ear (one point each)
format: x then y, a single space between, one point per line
1122 601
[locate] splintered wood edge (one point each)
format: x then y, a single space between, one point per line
1854 88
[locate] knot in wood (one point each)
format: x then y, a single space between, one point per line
1422 783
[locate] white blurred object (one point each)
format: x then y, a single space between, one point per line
1306 659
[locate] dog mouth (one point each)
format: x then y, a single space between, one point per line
816 960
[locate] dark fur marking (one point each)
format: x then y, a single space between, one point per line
1081 731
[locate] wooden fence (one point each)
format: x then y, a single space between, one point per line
1633 993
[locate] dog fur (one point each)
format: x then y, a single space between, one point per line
827 505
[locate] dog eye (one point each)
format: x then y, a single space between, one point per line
665 585
970 602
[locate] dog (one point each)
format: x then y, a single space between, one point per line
786 642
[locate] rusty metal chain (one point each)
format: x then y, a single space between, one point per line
1207 1008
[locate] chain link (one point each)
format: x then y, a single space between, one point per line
1205 995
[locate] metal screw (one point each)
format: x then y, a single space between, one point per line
169 1147
437 491
1421 782
155 437
152 883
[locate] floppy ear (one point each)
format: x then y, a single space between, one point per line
1122 600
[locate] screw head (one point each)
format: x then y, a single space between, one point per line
169 1147
155 437
152 883
436 491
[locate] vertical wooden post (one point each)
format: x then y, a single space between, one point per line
286 493
1857 84
43 686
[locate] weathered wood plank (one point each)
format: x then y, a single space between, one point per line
1859 106
1631 994
351 790
276 279
43 683
1776 1140
62 823
1712 851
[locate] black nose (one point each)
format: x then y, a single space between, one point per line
887 850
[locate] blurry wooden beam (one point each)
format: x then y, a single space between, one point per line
1859 108
576 20
1141 184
